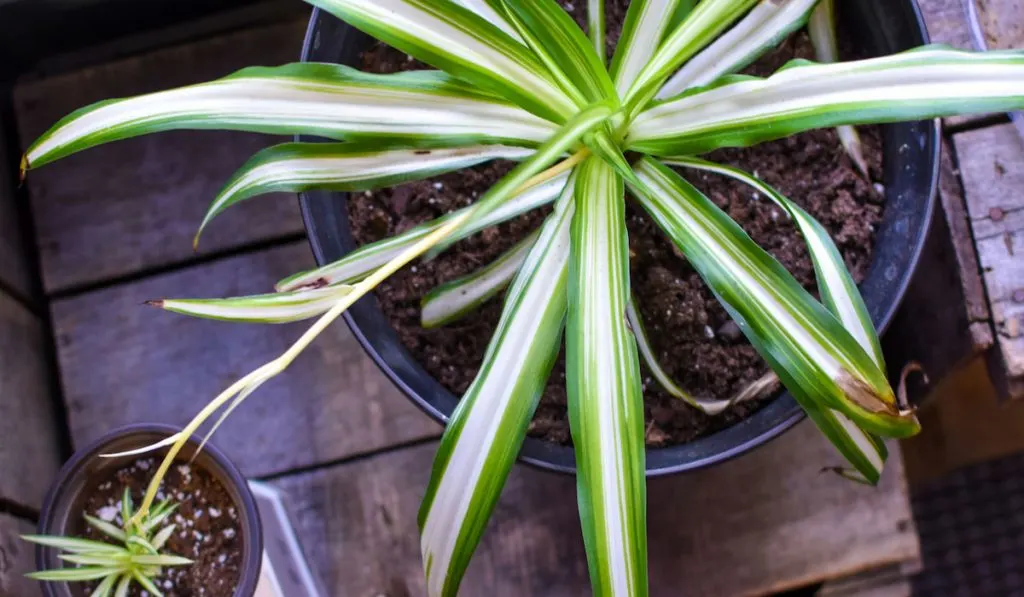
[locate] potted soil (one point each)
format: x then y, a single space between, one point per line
592 139
216 523
879 223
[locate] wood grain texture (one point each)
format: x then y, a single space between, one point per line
14 273
134 205
123 362
1002 22
947 22
944 321
16 559
29 448
990 165
764 522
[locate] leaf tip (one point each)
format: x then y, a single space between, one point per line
23 169
159 303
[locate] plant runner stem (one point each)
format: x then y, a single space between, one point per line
257 377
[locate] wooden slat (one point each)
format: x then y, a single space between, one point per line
134 205
29 449
13 271
764 522
1002 22
123 362
990 164
945 320
947 22
16 559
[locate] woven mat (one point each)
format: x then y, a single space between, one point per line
971 524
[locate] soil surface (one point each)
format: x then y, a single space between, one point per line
695 341
206 526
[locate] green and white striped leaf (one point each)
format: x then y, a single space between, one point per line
562 47
762 29
358 166
700 27
566 138
359 263
605 396
73 545
487 428
488 12
822 29
453 300
841 297
73 574
683 10
111 530
324 100
462 43
838 291
105 587
814 355
146 583
161 560
281 307
738 111
647 22
636 325
596 27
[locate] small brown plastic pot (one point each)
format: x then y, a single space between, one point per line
62 510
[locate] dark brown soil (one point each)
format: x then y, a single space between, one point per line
206 526
693 337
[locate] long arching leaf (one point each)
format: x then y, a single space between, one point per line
358 166
761 30
841 297
458 41
563 48
487 428
452 300
487 11
281 307
603 381
700 27
360 262
739 111
322 100
645 25
811 351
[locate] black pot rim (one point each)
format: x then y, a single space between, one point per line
249 518
784 410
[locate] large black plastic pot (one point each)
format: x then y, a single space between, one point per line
911 153
65 502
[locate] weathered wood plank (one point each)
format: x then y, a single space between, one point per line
990 162
766 521
1002 22
134 205
945 320
123 362
29 448
947 22
13 271
16 559
990 165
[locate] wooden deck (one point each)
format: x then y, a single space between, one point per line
113 226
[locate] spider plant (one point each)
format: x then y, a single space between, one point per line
517 79
134 558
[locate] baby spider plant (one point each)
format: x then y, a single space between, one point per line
133 557
518 80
